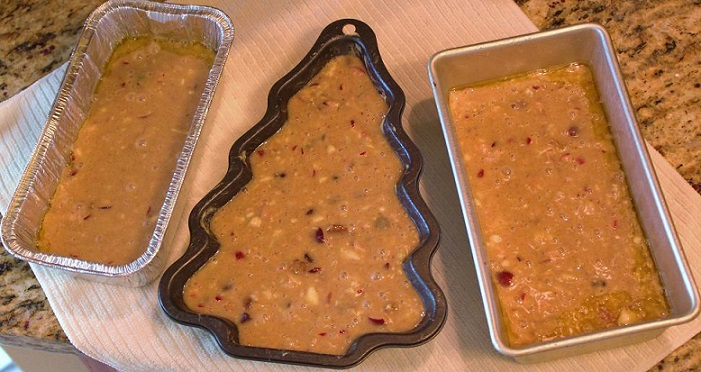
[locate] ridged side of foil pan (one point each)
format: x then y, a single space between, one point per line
104 29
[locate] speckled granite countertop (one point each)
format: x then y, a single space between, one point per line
659 48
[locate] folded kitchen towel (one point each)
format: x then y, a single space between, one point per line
125 327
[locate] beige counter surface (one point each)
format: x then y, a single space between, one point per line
658 47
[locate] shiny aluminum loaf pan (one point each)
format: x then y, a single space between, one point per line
106 27
588 44
342 37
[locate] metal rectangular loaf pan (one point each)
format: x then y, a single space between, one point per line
342 37
589 44
106 27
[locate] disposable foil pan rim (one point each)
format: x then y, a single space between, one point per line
142 269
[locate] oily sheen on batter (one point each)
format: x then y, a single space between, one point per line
111 191
564 244
312 249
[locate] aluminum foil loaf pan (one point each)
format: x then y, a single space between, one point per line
342 37
104 29
588 44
